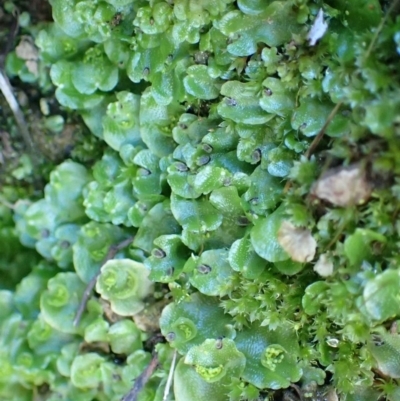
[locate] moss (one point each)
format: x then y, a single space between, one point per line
251 149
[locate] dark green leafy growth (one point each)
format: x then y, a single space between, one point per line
52 222
85 370
243 258
193 321
167 259
147 182
199 83
264 192
121 122
310 117
264 237
27 294
189 385
158 221
280 162
156 133
241 105
216 360
59 302
248 153
271 356
94 72
110 196
198 216
209 271
357 246
315 293
276 99
385 349
274 26
124 283
210 178
63 16
92 246
67 94
380 295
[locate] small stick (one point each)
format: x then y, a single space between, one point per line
5 88
141 380
321 132
336 237
379 29
113 250
170 376
297 389
316 141
287 186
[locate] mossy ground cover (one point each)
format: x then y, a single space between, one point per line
225 173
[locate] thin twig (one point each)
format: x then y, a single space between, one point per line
113 250
141 380
379 29
287 186
297 389
321 132
170 376
6 89
316 141
336 237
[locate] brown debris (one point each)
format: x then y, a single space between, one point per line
343 186
148 319
297 242
26 50
109 314
324 266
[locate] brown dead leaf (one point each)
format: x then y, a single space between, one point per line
110 316
148 319
101 346
343 186
297 242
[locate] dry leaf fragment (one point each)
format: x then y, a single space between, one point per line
148 319
110 316
343 186
297 242
324 266
318 28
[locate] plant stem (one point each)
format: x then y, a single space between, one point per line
6 89
379 29
141 380
321 132
170 376
113 250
